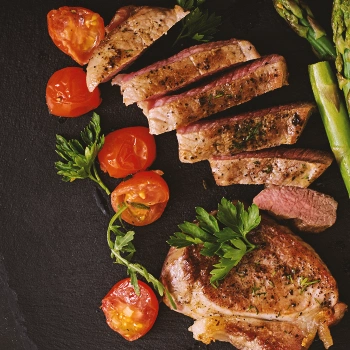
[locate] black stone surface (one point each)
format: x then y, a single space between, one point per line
55 265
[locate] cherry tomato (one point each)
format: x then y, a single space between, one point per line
127 313
126 151
146 195
67 94
76 31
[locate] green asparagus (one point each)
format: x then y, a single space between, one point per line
300 18
334 115
341 38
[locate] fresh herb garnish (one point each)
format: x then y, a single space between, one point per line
198 25
122 250
80 157
223 235
304 283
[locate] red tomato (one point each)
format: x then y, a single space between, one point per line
127 313
146 195
76 31
126 151
67 94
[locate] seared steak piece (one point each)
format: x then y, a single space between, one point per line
252 333
277 297
277 166
309 210
232 88
183 68
132 30
250 131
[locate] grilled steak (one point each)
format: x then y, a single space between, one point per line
132 31
309 210
234 87
280 293
277 166
183 68
245 132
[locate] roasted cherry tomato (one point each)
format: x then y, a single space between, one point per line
146 195
127 151
127 313
76 31
67 94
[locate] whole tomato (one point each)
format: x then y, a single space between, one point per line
67 94
127 151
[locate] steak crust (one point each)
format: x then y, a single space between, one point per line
283 284
137 29
277 166
268 127
238 85
185 67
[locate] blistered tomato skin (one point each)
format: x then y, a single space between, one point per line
127 151
145 195
76 31
67 94
127 313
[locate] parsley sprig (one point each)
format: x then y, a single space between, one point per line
122 250
223 235
198 25
80 156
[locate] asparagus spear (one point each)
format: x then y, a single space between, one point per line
300 18
341 38
334 115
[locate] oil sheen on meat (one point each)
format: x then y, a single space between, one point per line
278 297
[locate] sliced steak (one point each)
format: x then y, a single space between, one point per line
250 131
278 297
277 166
234 87
184 68
132 30
309 210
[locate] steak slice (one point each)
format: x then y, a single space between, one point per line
250 131
309 210
184 68
137 28
280 288
236 86
277 166
252 333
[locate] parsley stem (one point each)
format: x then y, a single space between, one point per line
96 178
111 222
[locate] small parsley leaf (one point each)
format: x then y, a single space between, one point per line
223 235
80 156
198 25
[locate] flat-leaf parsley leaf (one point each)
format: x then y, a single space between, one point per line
223 235
80 156
198 25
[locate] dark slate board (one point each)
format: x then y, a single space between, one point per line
55 266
